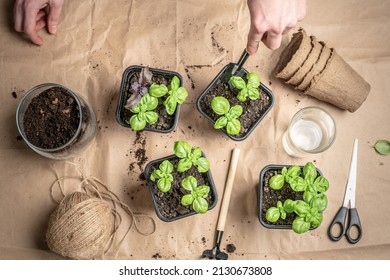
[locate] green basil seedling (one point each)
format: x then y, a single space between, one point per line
274 213
287 175
221 106
309 210
247 89
310 172
177 95
300 225
314 185
143 112
276 182
190 156
164 176
197 195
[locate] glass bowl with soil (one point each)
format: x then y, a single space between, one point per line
55 122
269 197
253 110
165 123
168 205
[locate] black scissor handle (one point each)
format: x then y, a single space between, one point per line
354 222
340 220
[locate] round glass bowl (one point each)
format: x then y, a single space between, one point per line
86 128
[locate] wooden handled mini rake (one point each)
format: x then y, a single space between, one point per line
215 252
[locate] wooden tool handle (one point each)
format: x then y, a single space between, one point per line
228 190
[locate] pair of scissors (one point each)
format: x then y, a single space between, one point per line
349 201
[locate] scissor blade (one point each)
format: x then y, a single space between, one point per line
351 184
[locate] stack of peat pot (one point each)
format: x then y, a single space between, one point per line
315 69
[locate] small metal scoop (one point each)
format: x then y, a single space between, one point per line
215 252
234 68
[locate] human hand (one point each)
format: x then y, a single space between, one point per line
30 17
270 19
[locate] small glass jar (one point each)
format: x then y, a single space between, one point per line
86 128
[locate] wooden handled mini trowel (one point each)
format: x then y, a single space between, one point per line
234 69
215 252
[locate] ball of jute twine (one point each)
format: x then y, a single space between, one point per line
85 223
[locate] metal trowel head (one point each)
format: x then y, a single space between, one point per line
215 253
234 69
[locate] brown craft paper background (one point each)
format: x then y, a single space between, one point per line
97 40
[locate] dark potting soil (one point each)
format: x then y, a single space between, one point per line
230 248
271 197
169 203
252 109
138 151
51 119
164 121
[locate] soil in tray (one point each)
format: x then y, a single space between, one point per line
52 118
164 121
252 109
271 197
169 202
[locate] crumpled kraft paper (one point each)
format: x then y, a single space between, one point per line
97 40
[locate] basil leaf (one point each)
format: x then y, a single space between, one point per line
158 90
175 83
320 202
221 122
189 183
184 164
187 199
283 213
136 123
253 93
276 182
315 217
181 95
200 205
182 149
202 191
308 196
235 111
164 184
238 82
203 164
151 102
301 208
272 215
382 147
294 171
151 117
220 105
153 176
196 153
298 184
253 80
288 206
299 225
233 127
321 184
166 166
170 104
242 95
310 172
